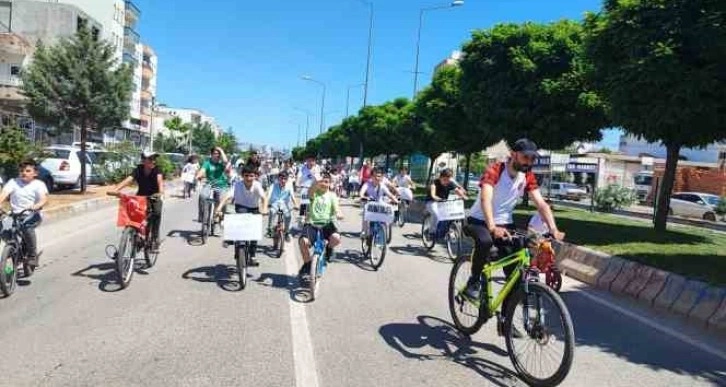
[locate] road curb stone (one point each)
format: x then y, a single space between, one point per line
654 286
689 297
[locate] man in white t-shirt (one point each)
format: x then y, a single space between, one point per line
374 190
249 198
27 193
490 220
307 177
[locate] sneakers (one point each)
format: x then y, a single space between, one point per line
328 254
473 288
251 262
304 270
32 260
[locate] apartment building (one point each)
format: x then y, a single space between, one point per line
163 113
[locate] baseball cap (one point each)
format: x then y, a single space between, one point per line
148 154
526 146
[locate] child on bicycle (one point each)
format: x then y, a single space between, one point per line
281 197
374 190
247 194
27 193
439 190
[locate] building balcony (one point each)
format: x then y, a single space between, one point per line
147 73
12 44
132 14
146 96
130 59
131 39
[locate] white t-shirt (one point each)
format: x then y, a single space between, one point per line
403 181
24 195
308 176
537 224
247 197
507 192
376 194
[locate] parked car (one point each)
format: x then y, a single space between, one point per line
567 191
64 164
694 205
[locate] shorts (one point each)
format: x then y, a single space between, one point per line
310 231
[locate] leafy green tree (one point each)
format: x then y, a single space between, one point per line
228 142
14 147
528 80
178 133
77 83
427 134
660 65
203 138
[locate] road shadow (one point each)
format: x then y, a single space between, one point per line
289 283
225 276
353 257
351 235
420 251
431 339
104 273
638 343
193 238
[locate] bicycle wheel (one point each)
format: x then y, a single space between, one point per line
402 213
205 224
389 233
241 260
427 237
279 242
210 218
378 244
553 278
151 254
468 315
542 331
453 240
125 256
314 280
8 270
365 244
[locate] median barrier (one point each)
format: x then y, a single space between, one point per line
689 296
718 319
610 273
671 290
639 281
654 286
624 277
706 305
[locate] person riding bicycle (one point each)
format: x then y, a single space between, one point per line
490 221
324 209
308 175
150 182
376 191
27 193
280 196
247 195
216 170
439 190
190 169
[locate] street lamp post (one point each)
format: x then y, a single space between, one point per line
455 3
151 123
322 102
307 122
347 97
370 50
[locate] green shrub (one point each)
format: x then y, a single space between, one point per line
614 197
166 166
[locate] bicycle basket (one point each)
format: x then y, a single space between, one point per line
449 210
132 211
405 193
242 227
378 212
304 198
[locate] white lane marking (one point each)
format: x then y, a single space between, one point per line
306 374
655 325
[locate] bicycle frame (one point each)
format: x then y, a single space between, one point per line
520 258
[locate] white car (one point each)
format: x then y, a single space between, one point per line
694 205
567 191
64 164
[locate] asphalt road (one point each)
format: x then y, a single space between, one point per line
185 322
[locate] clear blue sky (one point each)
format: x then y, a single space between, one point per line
241 61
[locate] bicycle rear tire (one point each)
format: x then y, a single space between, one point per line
8 274
569 335
389 233
279 243
375 238
402 214
457 301
126 256
210 218
150 255
427 238
453 246
205 224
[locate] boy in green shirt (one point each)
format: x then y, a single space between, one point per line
322 211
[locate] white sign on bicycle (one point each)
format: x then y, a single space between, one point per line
378 212
304 198
405 193
242 227
449 210
188 177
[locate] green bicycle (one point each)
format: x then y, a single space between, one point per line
527 323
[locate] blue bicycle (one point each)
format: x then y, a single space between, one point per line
318 262
380 218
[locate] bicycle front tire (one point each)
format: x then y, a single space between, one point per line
468 321
241 263
540 335
377 250
314 280
125 256
427 237
453 240
8 273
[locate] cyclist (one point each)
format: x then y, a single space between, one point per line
439 190
281 196
247 194
150 182
490 221
324 208
190 169
216 170
403 179
254 161
27 193
365 172
374 190
308 175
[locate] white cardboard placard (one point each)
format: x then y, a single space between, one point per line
188 177
378 212
449 210
242 227
405 193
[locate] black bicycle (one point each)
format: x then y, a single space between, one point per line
208 220
278 234
14 254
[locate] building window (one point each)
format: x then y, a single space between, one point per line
15 70
95 32
80 23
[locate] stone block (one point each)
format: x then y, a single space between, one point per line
671 290
718 319
611 272
707 304
654 286
688 297
639 281
623 279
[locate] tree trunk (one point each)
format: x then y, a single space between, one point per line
431 170
82 178
466 171
666 186
388 160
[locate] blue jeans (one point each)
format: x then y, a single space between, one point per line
28 225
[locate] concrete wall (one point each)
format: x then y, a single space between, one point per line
110 14
47 22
